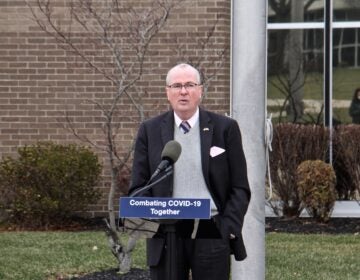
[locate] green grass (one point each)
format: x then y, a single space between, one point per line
345 80
342 114
55 255
312 87
50 255
307 257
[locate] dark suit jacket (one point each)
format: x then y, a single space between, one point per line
225 175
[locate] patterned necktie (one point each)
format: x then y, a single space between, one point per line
185 127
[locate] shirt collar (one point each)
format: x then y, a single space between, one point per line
192 121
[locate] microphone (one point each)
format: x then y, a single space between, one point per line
169 156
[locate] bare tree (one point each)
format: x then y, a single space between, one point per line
123 35
290 56
289 81
209 59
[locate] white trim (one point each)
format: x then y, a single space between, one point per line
346 24
296 25
312 25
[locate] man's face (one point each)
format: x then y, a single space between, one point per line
184 93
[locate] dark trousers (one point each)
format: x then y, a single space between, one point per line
206 257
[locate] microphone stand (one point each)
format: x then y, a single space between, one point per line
149 184
169 230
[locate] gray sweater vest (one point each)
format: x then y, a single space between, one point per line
188 176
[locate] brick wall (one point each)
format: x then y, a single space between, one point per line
41 82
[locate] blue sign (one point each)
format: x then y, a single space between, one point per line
164 208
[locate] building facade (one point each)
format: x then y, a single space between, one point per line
52 86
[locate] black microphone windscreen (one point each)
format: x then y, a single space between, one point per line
171 151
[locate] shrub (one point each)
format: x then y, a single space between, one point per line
347 160
316 186
291 145
47 183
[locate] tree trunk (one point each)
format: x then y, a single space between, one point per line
295 61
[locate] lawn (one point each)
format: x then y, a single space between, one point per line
307 257
345 81
57 255
52 255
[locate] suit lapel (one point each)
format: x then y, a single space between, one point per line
167 134
167 128
206 134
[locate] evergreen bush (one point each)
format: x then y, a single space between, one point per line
48 183
316 186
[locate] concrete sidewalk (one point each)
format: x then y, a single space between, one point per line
342 209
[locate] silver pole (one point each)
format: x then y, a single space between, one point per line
248 108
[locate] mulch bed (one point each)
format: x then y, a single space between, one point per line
112 274
298 225
308 225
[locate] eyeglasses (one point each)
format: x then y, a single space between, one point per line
187 86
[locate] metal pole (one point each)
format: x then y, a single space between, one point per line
171 252
328 73
248 108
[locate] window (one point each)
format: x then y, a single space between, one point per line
303 36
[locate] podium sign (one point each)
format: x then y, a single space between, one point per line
164 208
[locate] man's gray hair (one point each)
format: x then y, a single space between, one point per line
183 65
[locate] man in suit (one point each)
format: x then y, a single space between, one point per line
211 165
